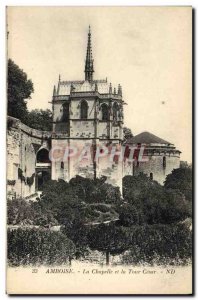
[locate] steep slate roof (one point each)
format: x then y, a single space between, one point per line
147 138
83 86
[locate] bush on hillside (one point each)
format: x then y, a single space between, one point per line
36 247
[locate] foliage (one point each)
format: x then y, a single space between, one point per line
75 200
130 215
62 200
27 180
108 239
30 180
63 203
35 247
40 119
18 91
143 228
11 182
127 133
78 233
151 203
20 175
22 212
18 211
96 191
159 244
180 179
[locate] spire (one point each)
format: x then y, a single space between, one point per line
89 61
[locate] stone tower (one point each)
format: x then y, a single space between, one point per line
87 119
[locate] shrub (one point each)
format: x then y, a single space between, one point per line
36 247
20 211
101 207
158 244
151 203
130 215
78 233
180 179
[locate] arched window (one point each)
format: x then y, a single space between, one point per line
105 112
43 156
115 111
151 176
65 115
83 110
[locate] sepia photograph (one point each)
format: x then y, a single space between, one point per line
99 150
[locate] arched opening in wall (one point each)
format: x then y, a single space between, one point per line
115 111
65 116
164 162
43 156
83 110
105 112
41 178
151 176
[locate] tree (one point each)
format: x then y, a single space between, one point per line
62 200
78 233
130 215
96 191
151 203
80 199
19 89
79 204
127 133
108 239
180 179
40 119
135 187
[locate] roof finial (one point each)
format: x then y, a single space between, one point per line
89 60
119 90
58 88
110 88
72 88
54 91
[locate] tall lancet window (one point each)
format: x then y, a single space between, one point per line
65 116
115 111
105 112
84 110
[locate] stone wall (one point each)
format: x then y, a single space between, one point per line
23 143
155 167
83 164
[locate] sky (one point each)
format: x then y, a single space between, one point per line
145 49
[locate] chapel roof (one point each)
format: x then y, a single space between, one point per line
83 86
147 138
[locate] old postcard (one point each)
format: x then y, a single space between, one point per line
99 150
